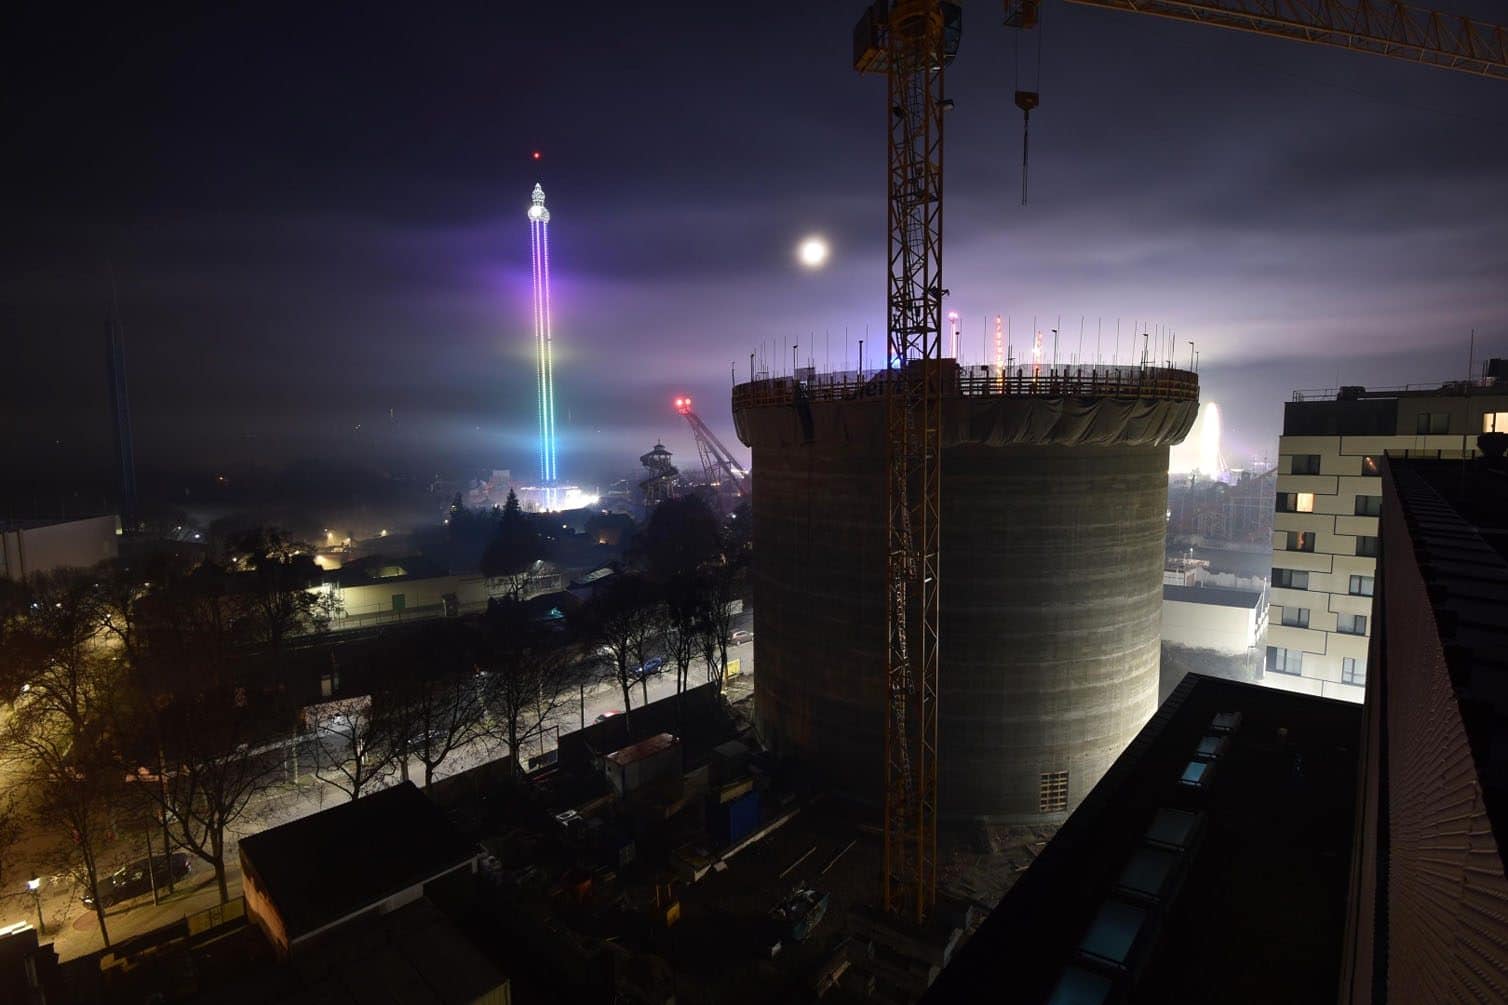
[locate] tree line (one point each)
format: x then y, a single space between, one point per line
154 704
166 705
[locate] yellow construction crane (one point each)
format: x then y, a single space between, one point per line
911 42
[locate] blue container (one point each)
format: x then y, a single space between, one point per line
743 816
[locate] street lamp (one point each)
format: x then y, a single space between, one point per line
35 886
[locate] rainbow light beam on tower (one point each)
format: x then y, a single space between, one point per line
539 235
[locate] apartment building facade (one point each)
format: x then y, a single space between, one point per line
1329 499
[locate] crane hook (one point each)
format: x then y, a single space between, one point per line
1026 101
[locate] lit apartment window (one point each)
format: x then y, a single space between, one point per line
1365 546
329 683
1432 423
1369 465
1290 579
1362 586
1295 502
1280 660
1495 422
1053 795
1296 617
1352 624
1369 505
1306 464
1353 671
1302 540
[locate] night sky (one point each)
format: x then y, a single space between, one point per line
314 215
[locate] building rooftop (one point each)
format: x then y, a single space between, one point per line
326 866
1210 863
644 748
413 954
371 569
1494 379
1457 520
1218 596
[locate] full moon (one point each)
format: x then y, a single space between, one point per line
812 252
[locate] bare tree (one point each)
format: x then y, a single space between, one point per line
10 835
58 732
716 619
79 796
353 748
272 594
433 698
215 767
142 605
526 671
622 621
682 624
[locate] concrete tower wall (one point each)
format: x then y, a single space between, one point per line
1052 553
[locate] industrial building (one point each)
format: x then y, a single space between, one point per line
1054 498
1324 550
1224 621
32 547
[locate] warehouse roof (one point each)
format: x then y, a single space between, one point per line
644 748
1217 596
332 864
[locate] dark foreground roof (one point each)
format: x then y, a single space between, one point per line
412 955
1218 596
1154 890
1456 517
331 864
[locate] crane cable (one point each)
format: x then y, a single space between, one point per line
1026 101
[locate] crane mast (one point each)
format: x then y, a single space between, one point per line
910 41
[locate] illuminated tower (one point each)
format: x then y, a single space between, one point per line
539 234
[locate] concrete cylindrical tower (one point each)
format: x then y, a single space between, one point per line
1054 501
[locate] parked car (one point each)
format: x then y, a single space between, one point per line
741 636
651 666
608 715
133 880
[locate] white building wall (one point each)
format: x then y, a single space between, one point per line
79 544
1231 631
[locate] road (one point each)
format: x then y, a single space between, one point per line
75 931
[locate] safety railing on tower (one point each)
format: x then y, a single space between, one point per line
1073 381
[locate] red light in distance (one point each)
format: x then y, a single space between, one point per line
683 405
537 155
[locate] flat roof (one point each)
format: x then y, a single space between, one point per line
644 748
329 865
1218 596
413 954
1250 909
